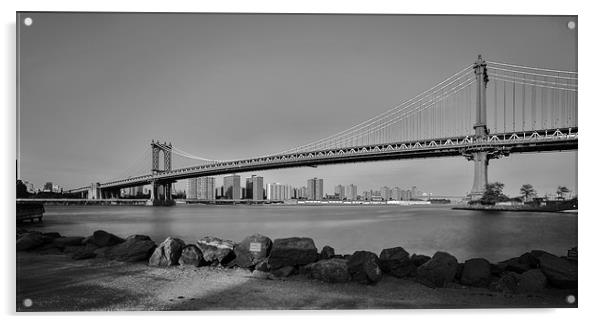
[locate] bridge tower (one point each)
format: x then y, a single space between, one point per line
160 193
480 152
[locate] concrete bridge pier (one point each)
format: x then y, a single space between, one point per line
481 156
94 191
160 195
479 184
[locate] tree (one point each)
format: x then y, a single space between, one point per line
561 191
493 194
22 190
527 191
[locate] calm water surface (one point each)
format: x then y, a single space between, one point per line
418 229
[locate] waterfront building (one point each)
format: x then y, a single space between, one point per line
315 189
191 187
272 192
206 188
406 194
396 194
299 193
247 191
351 192
254 188
231 189
339 192
385 193
278 192
367 195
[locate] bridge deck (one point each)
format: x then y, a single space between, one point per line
514 142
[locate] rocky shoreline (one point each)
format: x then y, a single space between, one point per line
268 259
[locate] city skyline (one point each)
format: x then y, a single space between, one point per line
208 85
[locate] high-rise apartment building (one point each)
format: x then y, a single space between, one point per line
367 195
254 188
339 192
206 188
191 187
396 194
315 189
232 187
278 192
406 195
385 193
351 192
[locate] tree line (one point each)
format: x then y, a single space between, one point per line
494 193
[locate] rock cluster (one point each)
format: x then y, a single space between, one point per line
168 253
531 272
252 250
215 250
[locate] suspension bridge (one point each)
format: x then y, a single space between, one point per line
485 111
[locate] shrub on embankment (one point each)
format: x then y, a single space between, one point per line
283 257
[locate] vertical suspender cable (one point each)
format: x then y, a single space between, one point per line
495 106
514 104
504 83
533 110
523 106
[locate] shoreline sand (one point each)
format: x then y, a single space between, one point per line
58 283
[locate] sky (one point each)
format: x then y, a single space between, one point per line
95 89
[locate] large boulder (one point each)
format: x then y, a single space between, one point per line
63 242
215 250
102 238
252 250
263 266
476 272
364 267
330 270
396 262
438 271
30 241
520 264
508 283
560 272
327 253
292 251
192 256
531 281
419 259
167 253
529 259
135 248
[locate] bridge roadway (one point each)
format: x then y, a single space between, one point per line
505 143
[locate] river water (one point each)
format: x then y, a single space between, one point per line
419 229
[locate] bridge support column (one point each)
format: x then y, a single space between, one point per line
160 195
479 184
94 192
481 156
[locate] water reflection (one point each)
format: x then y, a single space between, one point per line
419 229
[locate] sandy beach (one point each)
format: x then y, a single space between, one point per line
58 283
